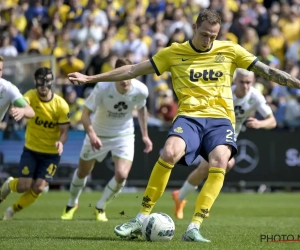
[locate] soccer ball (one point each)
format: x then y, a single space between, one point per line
46 189
158 227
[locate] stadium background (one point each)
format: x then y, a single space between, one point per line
88 36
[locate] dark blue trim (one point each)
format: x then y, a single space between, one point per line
251 65
200 51
154 66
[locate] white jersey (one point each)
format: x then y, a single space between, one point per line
243 107
112 110
9 93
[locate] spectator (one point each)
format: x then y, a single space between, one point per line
276 42
155 11
266 57
75 12
17 38
99 16
261 22
136 46
76 106
290 25
37 11
99 59
59 7
6 47
69 64
250 40
90 30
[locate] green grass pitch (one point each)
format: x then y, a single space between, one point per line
236 222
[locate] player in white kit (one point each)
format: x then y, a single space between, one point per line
111 130
11 96
246 101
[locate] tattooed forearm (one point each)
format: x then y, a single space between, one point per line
275 75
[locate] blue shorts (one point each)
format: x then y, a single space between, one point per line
202 135
38 165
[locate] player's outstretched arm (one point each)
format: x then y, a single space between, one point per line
275 75
142 117
122 73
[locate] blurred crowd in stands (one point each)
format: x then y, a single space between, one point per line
89 35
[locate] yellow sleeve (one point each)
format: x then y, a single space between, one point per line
64 113
27 96
161 61
243 58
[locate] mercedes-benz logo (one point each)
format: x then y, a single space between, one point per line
247 158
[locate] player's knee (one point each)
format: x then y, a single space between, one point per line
120 178
169 155
121 175
38 188
218 162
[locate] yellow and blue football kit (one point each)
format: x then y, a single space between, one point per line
205 118
40 157
202 82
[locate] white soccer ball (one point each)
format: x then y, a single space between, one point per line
46 189
158 227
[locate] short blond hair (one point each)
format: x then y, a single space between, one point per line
1 59
243 72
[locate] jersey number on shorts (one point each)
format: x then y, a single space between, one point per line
229 136
51 169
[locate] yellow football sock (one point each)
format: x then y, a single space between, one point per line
25 200
208 194
13 185
156 186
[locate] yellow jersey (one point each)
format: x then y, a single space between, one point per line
202 79
43 131
67 68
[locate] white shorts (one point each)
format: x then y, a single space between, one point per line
122 147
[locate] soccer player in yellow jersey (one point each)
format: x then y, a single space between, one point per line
202 71
45 136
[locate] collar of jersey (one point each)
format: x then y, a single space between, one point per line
197 50
127 93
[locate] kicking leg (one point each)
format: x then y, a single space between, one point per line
174 149
218 159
